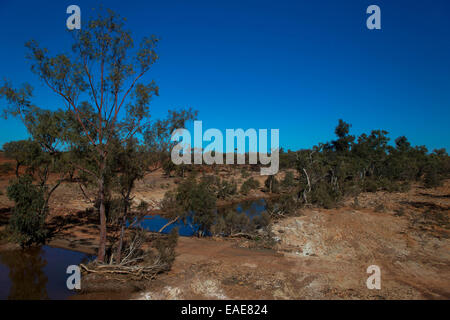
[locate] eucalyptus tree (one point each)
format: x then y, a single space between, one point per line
158 138
42 155
21 151
105 75
130 163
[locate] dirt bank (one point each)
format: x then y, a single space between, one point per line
324 254
319 254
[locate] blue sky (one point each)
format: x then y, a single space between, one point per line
297 66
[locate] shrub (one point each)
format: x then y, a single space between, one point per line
192 199
288 180
221 188
432 178
370 185
272 184
27 222
347 166
248 185
166 248
232 222
225 188
284 205
244 173
324 195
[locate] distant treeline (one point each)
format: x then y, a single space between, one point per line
350 165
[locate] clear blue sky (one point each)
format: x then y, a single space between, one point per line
297 66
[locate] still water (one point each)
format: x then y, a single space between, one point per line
40 273
155 223
37 273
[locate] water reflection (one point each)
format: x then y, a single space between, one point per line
36 273
252 208
155 223
27 279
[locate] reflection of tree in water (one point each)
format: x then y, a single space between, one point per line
28 280
252 208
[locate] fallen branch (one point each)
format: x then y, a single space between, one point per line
242 235
137 271
168 224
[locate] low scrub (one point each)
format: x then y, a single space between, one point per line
27 222
233 223
248 185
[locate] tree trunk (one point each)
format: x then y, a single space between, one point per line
17 169
270 184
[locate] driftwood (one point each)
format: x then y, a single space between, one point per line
134 262
168 224
242 235
147 272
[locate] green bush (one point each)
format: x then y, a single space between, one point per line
225 188
27 223
272 184
288 180
192 199
248 185
325 196
166 248
282 206
232 222
432 178
221 188
348 165
370 185
244 173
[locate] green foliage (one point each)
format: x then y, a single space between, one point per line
157 137
168 166
109 74
24 152
128 165
114 209
41 157
288 180
287 159
27 222
232 222
106 69
437 169
194 200
166 248
225 188
272 184
248 185
432 178
284 205
221 188
347 166
325 195
244 173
